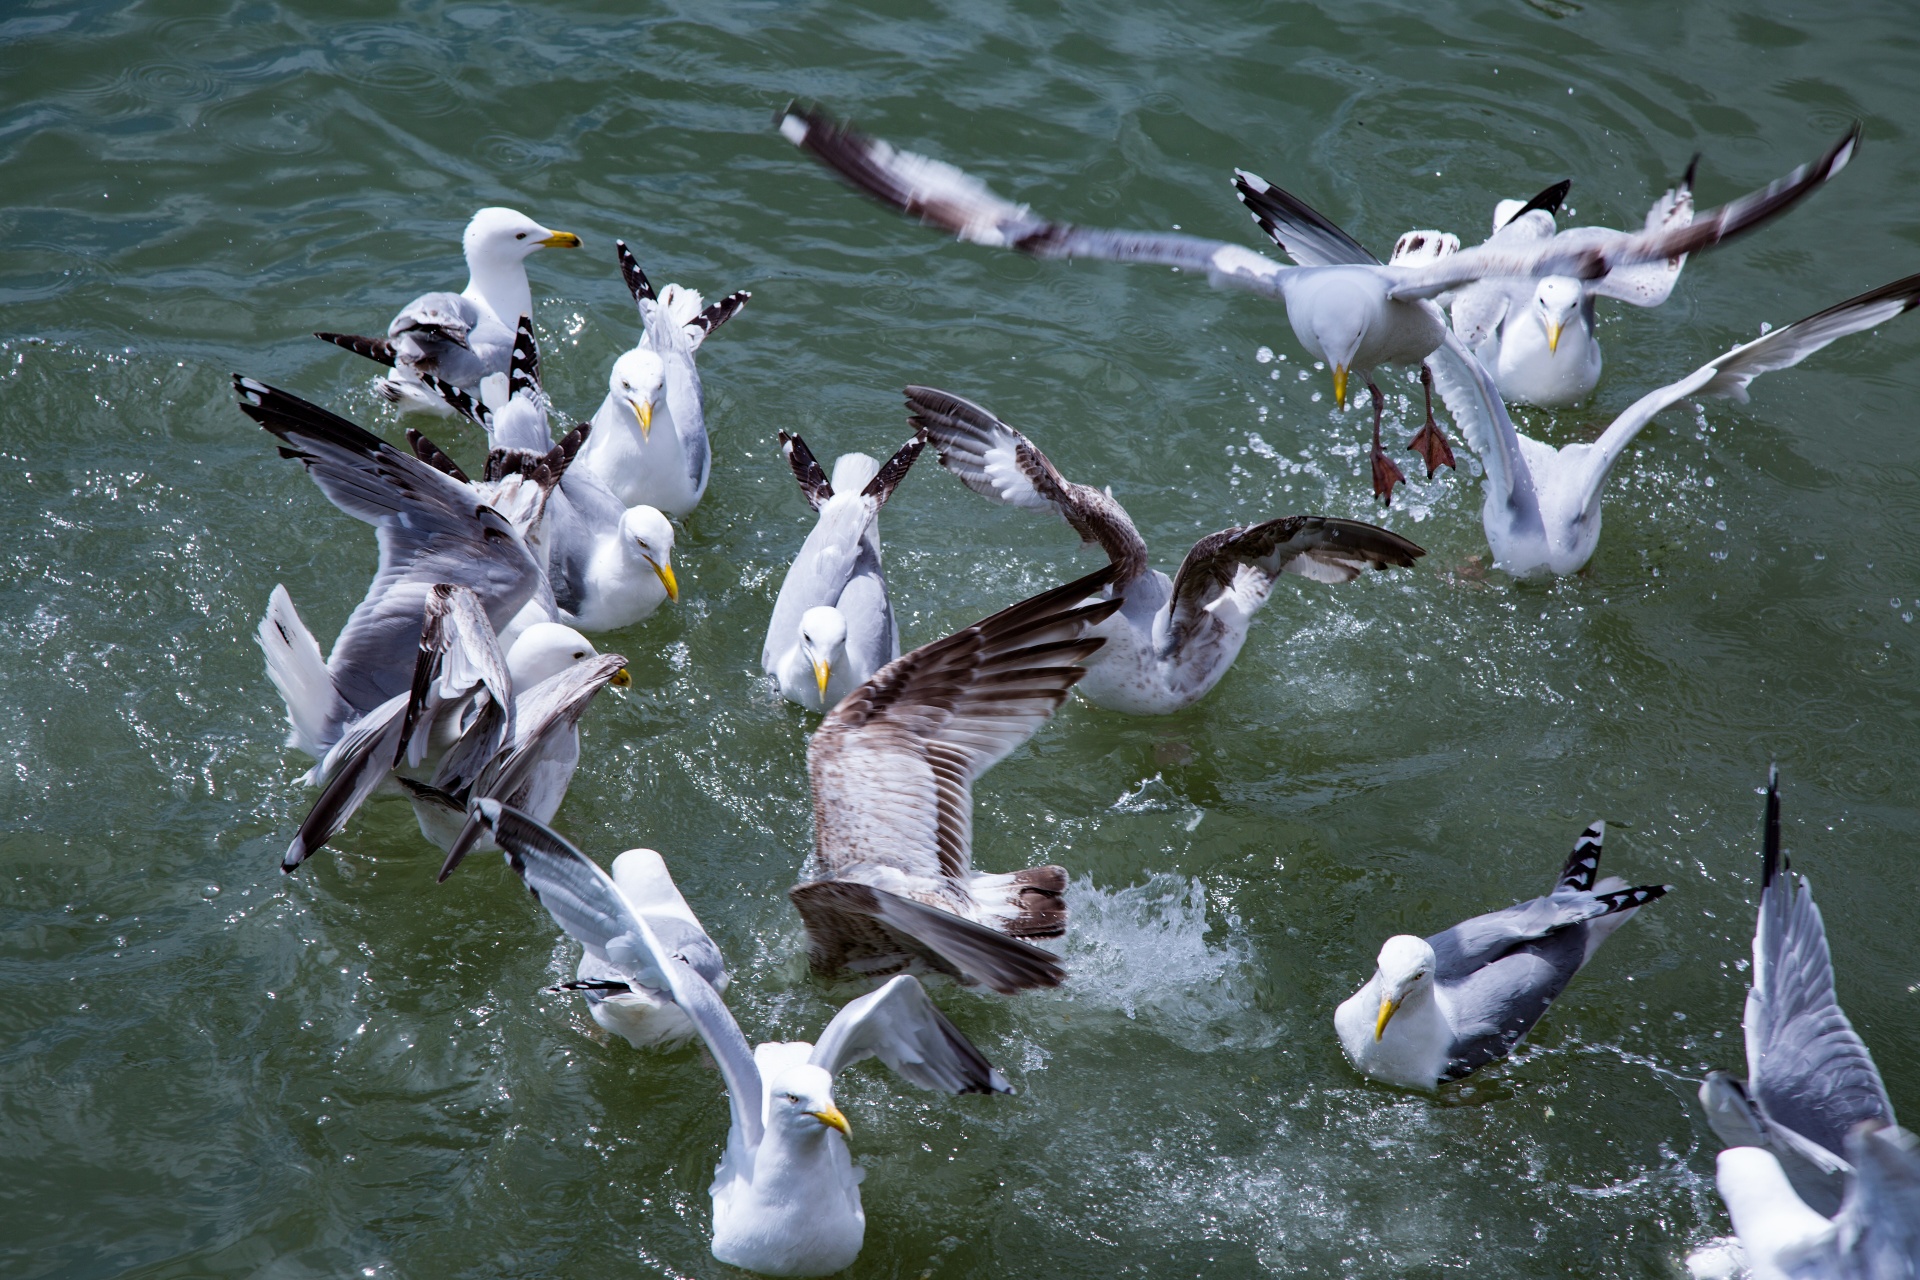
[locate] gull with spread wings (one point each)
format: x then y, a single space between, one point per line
1173 639
892 769
786 1197
1344 305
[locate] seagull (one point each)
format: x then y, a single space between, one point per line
892 770
1536 337
786 1197
609 565
1810 1080
662 465
1172 640
1440 1008
1541 511
460 338
832 624
1345 307
1874 1236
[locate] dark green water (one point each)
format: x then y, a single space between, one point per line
207 1069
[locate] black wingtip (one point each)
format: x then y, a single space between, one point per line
523 374
895 469
1548 201
806 469
637 283
1693 168
1772 862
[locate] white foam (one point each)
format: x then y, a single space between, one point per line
1143 951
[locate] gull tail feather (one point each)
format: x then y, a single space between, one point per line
315 709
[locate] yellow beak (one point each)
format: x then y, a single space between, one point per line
1340 384
1553 337
1386 1011
831 1117
561 240
621 679
821 671
644 412
667 579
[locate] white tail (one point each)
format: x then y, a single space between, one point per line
315 709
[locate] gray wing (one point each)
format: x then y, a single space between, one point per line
585 902
681 390
435 333
545 717
459 656
1879 1235
1807 1070
1473 944
1321 548
873 636
430 528
892 767
1590 257
1491 1008
353 770
1651 283
942 196
901 1027
997 462
579 512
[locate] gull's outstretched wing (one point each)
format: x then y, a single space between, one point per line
1589 258
1649 284
1728 375
1473 944
1303 233
997 462
942 196
585 902
1807 1070
1879 1222
1321 548
459 655
901 1027
431 529
893 765
353 769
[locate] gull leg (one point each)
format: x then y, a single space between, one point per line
1385 473
1428 442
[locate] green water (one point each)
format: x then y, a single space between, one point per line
208 1069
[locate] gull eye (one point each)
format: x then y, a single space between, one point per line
521 236
792 1097
578 654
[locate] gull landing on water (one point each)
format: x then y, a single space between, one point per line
833 623
463 337
1818 1179
1345 306
892 769
1439 1008
1541 512
1172 640
786 1197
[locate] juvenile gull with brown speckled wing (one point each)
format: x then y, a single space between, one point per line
892 769
1172 639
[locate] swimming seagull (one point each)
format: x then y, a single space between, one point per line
786 1197
1541 512
460 338
609 565
663 464
1536 337
1345 306
1172 640
892 770
832 624
1810 1080
1439 1008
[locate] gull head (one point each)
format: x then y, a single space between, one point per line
649 535
1341 312
1556 299
545 649
823 639
800 1103
637 381
1406 970
500 236
642 875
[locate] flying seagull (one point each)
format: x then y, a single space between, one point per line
1541 510
786 1198
1440 1008
1172 640
832 624
892 769
664 464
1345 307
460 338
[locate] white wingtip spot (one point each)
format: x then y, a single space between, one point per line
793 129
